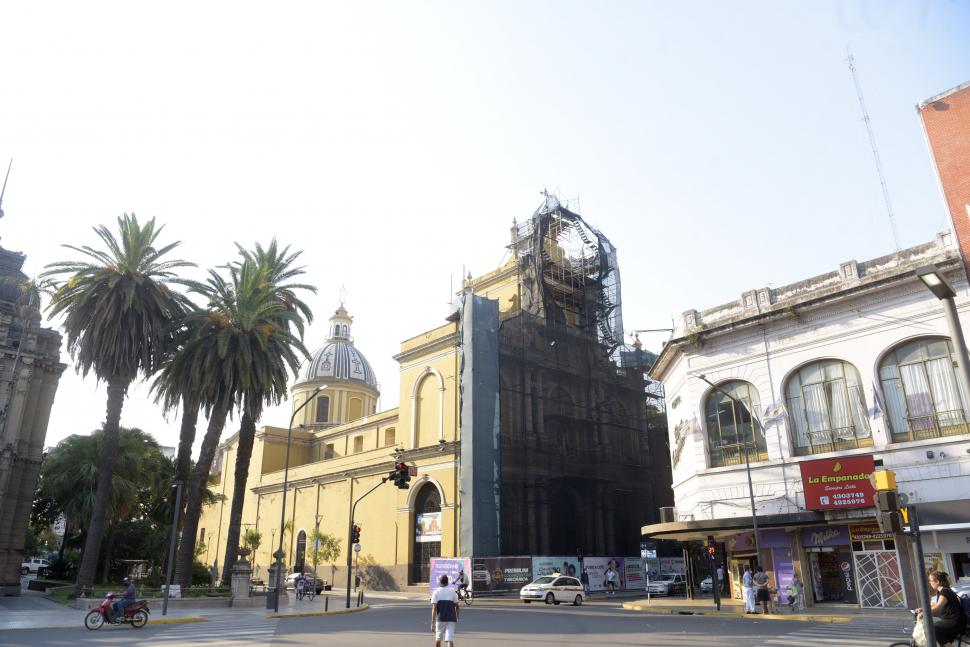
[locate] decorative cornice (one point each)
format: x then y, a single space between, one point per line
448 341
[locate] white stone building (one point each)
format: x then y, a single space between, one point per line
852 363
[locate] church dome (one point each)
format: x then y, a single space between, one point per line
338 359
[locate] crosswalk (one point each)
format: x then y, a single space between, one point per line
862 632
240 630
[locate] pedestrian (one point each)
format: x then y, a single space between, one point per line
444 613
747 587
796 594
763 596
720 577
584 578
612 579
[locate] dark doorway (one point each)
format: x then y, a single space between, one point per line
427 502
300 562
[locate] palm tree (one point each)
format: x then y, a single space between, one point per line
117 305
227 354
267 271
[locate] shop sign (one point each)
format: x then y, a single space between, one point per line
836 483
867 532
825 536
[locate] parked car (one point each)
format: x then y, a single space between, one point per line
707 585
668 584
34 565
553 589
291 582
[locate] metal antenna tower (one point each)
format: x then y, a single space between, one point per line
4 189
875 151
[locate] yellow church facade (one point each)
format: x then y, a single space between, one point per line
341 448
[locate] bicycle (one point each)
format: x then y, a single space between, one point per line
465 595
961 641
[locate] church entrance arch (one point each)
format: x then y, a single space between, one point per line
427 532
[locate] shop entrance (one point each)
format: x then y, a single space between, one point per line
832 576
736 564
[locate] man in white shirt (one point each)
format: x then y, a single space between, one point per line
747 586
444 613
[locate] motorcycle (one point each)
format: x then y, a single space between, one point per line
135 615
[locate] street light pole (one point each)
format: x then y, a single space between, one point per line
934 280
171 546
286 477
747 466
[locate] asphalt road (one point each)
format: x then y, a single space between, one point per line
407 624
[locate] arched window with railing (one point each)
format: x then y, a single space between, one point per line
921 390
827 408
733 425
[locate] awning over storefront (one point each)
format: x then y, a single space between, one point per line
702 528
944 515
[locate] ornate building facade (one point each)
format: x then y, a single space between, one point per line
527 436
30 369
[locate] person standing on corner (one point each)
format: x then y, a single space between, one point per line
747 588
761 588
612 579
444 613
796 594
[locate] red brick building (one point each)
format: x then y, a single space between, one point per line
946 122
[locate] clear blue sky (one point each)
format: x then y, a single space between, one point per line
719 145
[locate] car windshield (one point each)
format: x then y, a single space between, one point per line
544 580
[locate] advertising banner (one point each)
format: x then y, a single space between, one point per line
633 570
501 574
837 483
596 570
825 536
563 565
450 566
428 527
672 565
867 531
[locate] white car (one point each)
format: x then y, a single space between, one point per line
668 584
553 589
34 565
707 585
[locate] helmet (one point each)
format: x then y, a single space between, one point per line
126 580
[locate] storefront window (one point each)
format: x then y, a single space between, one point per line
733 428
921 390
827 407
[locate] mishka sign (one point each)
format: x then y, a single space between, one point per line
834 483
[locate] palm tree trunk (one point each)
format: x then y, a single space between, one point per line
109 452
244 452
108 548
183 461
196 491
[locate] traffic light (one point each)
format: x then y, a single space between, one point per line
355 534
890 522
887 501
711 546
401 475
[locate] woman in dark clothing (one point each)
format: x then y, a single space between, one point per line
947 607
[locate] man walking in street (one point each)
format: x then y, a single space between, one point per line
747 588
444 613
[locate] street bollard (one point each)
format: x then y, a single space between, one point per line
326 603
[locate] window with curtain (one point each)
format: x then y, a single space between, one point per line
733 427
921 390
827 408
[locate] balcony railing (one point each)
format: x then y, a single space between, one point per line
936 425
733 454
833 440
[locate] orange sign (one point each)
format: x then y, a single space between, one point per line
868 531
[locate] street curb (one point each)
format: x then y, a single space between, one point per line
310 614
801 617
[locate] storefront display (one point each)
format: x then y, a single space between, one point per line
830 564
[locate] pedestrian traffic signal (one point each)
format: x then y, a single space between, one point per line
355 534
711 550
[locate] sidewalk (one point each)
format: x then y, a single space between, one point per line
828 612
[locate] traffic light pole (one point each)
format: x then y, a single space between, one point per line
350 534
921 572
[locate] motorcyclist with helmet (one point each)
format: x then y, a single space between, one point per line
126 600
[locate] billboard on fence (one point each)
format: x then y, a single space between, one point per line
563 565
501 574
633 570
596 569
450 566
672 565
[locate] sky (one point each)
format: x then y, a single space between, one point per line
720 146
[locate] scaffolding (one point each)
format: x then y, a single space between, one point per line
574 272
